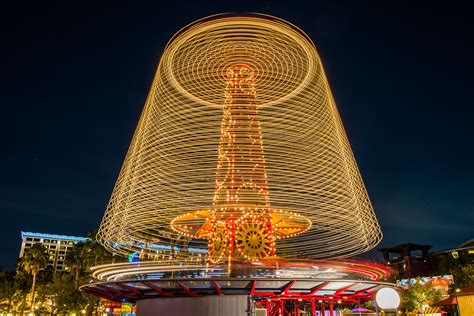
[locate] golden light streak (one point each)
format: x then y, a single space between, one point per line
169 173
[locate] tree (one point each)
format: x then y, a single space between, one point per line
467 276
35 259
23 284
460 268
64 295
417 295
52 293
85 255
7 290
75 260
95 254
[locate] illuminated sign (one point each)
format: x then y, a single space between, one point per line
439 281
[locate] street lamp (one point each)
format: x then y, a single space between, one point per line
457 301
387 298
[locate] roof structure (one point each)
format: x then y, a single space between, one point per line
405 247
333 280
54 236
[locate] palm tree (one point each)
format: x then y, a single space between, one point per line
75 260
35 259
94 253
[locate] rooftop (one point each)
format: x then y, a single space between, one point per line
54 236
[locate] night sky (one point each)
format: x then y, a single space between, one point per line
75 75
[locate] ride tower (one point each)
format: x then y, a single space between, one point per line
240 155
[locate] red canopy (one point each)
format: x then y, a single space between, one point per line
452 299
466 291
447 301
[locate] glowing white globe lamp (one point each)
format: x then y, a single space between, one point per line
387 298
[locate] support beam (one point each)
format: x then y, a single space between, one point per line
253 292
186 289
331 308
276 310
287 288
319 287
158 289
365 290
268 307
218 288
130 288
116 292
345 288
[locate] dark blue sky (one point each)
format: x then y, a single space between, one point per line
75 75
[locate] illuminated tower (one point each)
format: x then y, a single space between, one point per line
240 154
241 222
241 182
240 148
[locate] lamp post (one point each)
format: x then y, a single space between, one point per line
387 299
457 301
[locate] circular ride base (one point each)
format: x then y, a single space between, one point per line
273 287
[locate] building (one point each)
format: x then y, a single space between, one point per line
407 260
411 260
58 246
458 261
464 253
168 253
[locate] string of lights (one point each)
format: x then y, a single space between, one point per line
277 160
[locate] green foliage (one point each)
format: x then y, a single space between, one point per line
460 268
64 296
75 260
95 254
85 255
55 293
14 288
34 259
417 295
7 290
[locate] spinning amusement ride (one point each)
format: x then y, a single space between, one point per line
240 180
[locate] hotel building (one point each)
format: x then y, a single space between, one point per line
58 247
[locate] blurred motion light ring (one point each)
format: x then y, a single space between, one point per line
196 60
